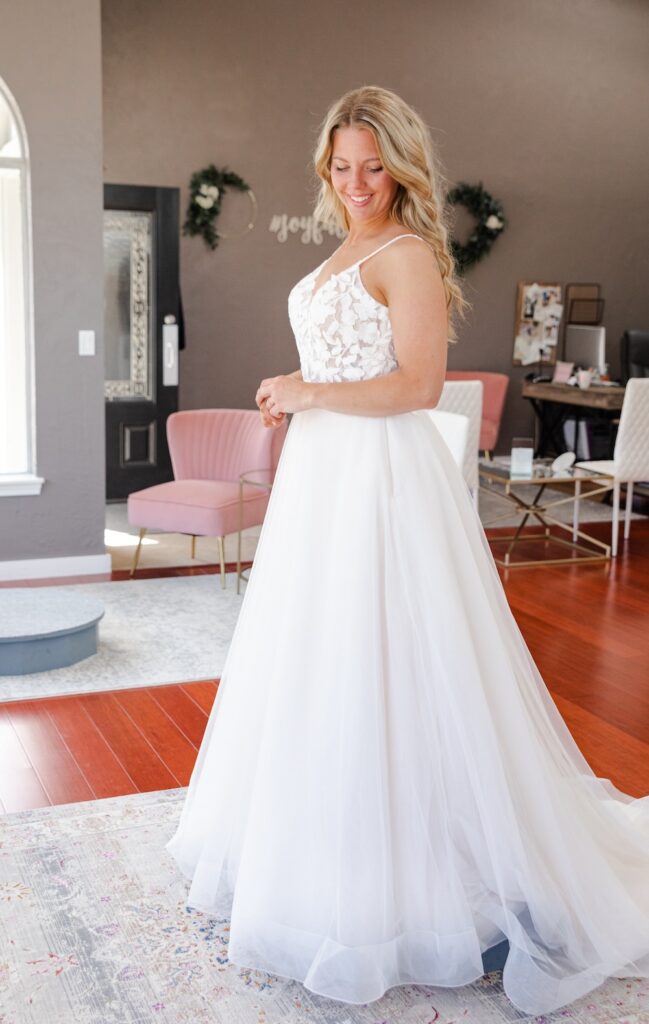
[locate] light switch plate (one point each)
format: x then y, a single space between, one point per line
86 343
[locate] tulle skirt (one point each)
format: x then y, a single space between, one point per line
385 789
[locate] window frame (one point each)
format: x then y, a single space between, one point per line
27 482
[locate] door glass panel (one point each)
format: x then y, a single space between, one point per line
128 318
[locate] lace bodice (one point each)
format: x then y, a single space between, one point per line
341 331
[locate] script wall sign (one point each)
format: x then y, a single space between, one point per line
311 231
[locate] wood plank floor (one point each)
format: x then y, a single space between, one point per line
88 746
586 626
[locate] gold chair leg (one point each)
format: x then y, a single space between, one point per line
193 546
222 559
136 557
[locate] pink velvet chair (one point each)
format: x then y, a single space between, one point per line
210 449
494 392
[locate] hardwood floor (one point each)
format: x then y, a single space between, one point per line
84 747
587 628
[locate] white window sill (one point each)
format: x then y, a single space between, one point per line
14 484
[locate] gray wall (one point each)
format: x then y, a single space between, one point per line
51 61
542 101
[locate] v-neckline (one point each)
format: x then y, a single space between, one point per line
316 291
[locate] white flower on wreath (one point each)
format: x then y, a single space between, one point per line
493 223
205 201
209 190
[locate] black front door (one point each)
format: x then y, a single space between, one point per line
141 314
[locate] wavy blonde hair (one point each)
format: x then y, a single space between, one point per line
406 151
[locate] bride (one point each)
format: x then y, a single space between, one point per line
385 789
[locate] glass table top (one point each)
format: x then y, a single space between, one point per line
499 468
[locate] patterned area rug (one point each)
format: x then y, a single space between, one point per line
153 631
94 930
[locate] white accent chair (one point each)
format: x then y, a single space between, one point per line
465 397
455 432
630 462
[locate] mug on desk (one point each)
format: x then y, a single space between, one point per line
584 378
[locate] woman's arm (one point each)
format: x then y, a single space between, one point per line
412 284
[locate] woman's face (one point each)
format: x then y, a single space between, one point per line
357 175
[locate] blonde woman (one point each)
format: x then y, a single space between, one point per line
385 789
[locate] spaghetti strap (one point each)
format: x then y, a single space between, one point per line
313 276
386 244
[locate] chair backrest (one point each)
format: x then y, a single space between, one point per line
634 354
466 398
493 402
454 428
631 455
219 444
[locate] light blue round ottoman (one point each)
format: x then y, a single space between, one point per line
42 628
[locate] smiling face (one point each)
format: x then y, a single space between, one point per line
358 177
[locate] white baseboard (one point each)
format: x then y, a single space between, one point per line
48 568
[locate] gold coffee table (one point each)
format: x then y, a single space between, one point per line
496 479
257 478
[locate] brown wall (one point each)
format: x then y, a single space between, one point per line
541 100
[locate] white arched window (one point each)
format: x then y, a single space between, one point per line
17 454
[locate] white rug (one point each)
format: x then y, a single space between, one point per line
153 631
94 930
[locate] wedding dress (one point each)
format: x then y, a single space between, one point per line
385 789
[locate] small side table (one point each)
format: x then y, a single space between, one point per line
496 479
254 478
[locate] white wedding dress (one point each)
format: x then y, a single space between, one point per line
385 788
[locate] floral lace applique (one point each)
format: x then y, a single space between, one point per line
341 331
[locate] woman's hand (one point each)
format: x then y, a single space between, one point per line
283 394
266 418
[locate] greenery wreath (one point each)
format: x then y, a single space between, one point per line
207 189
490 218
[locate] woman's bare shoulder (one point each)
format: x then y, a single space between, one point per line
410 246
406 265
408 258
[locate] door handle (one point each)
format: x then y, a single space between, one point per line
170 352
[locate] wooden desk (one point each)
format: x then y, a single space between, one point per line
556 403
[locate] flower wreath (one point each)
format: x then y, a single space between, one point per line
207 188
490 218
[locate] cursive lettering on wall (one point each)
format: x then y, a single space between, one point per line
311 230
